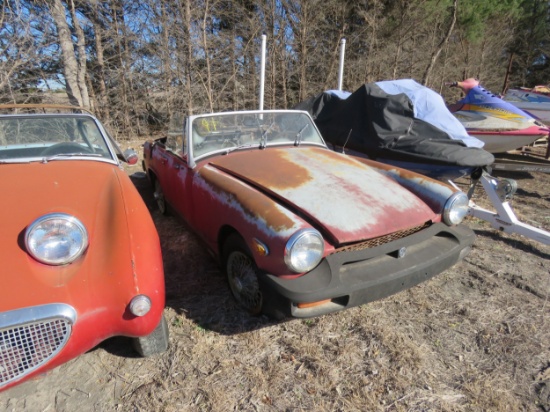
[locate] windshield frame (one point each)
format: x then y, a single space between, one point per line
111 155
261 144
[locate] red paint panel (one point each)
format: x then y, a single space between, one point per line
123 257
344 197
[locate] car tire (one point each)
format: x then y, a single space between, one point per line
242 274
155 342
159 198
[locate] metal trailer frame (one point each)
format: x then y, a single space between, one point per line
500 192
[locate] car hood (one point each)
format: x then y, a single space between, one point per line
71 187
89 190
342 197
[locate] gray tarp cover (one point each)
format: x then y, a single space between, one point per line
383 125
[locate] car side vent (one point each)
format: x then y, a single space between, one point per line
382 239
28 345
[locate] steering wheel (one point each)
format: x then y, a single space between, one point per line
66 148
234 140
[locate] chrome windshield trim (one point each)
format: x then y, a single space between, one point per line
193 159
107 138
58 158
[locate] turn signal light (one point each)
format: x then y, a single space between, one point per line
312 304
140 305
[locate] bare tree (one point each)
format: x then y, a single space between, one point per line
441 45
138 62
74 68
101 103
21 60
206 82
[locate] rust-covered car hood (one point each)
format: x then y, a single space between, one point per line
342 197
88 190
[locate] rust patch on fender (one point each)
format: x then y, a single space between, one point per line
254 204
434 192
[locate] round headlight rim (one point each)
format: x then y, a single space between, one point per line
450 203
293 240
68 218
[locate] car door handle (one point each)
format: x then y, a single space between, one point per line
177 166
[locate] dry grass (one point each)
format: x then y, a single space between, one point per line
475 338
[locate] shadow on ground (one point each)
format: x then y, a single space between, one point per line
522 244
195 285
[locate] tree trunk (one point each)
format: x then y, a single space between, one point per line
189 48
440 46
81 53
71 69
165 59
101 98
507 76
208 82
122 95
184 9
303 54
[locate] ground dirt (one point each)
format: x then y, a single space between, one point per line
474 338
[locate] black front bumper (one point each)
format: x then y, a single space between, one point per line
352 278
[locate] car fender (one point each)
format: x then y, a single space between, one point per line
250 212
433 192
120 261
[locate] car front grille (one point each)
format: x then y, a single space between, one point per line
30 337
381 240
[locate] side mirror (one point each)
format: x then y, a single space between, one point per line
131 156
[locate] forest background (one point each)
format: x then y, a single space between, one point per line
137 63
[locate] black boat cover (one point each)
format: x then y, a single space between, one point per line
383 125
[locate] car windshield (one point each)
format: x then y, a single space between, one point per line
224 132
37 137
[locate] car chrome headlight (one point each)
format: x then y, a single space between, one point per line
456 208
56 239
304 250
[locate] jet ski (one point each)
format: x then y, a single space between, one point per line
535 101
401 123
498 123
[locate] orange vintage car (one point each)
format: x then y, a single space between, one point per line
80 254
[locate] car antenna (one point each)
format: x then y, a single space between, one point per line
346 142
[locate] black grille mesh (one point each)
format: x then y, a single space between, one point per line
381 240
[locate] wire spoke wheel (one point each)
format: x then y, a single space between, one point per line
242 276
159 197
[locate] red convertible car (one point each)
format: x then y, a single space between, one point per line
80 254
299 229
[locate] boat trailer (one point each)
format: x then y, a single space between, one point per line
500 192
526 159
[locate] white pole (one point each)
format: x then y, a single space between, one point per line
262 72
341 68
